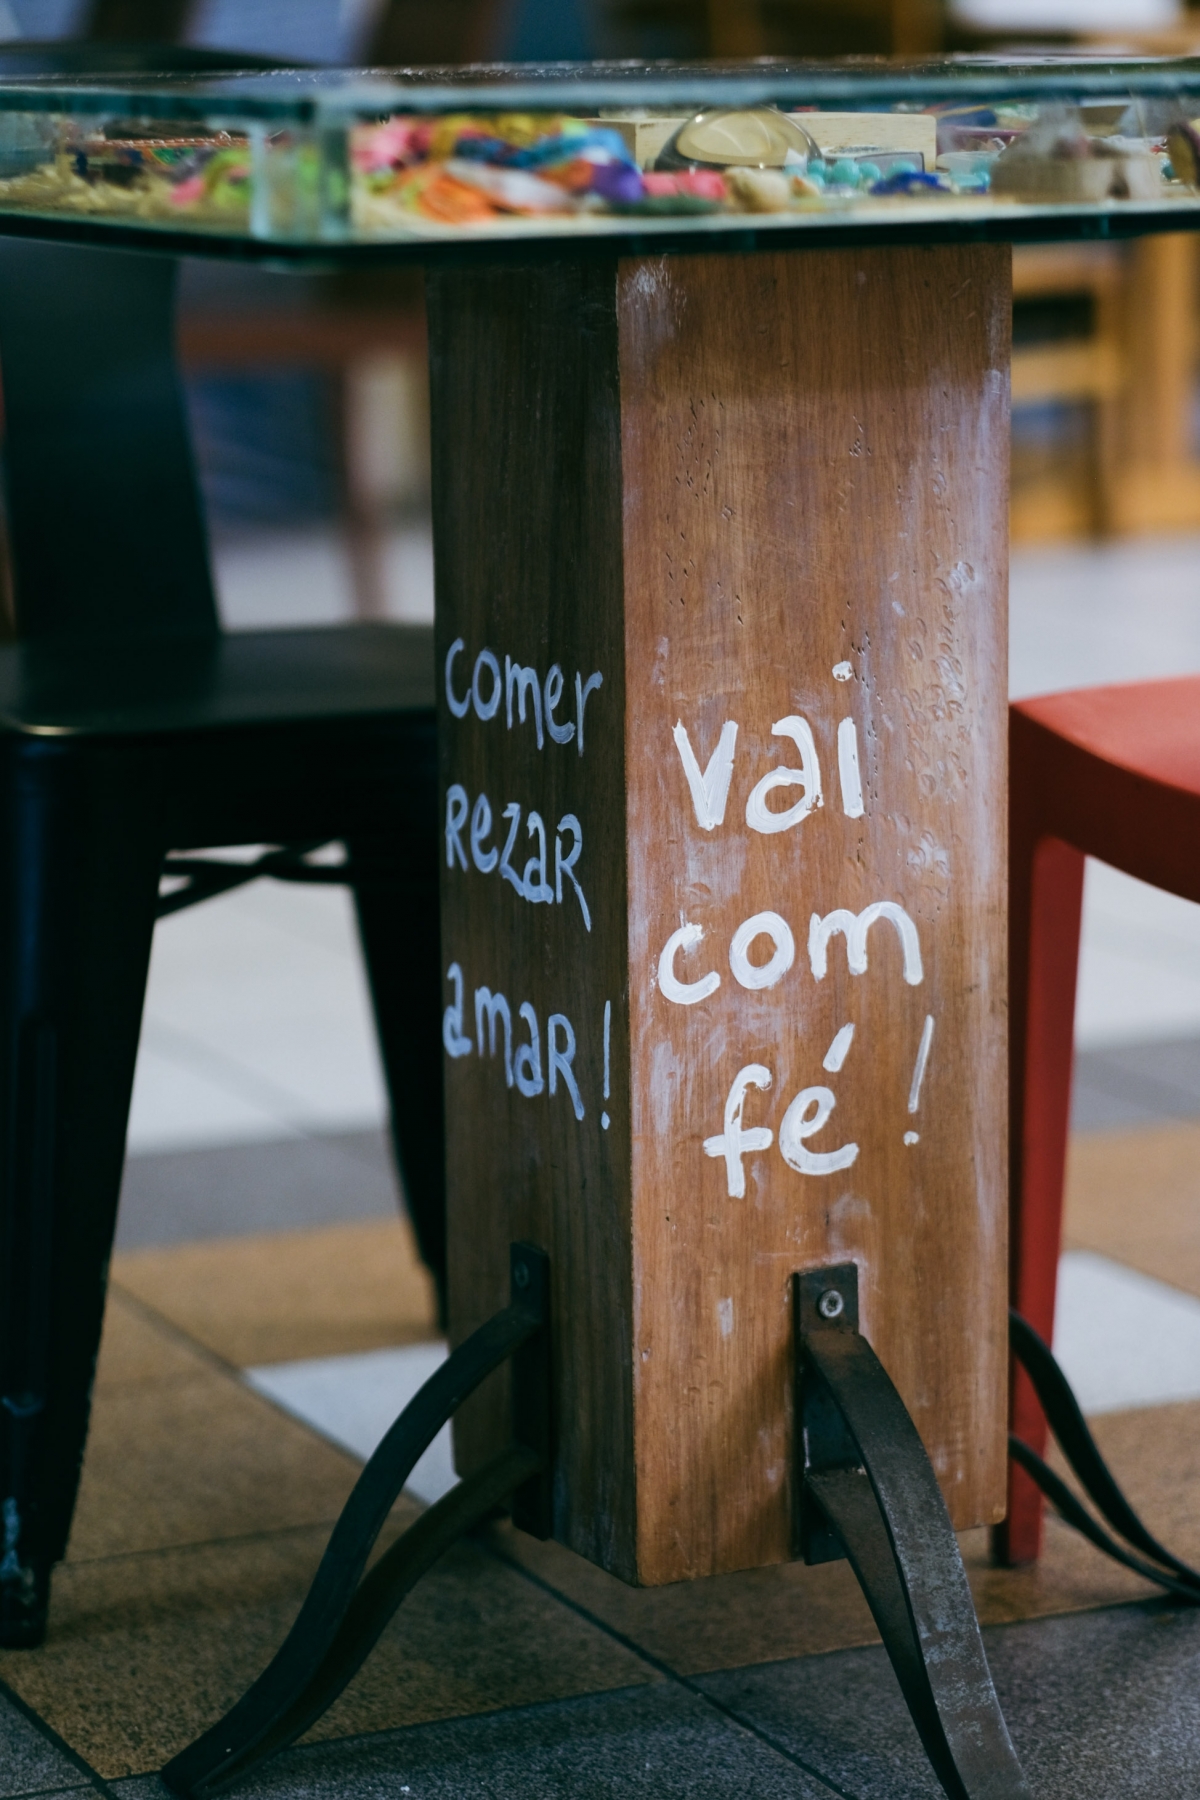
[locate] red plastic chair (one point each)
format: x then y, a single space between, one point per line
1111 772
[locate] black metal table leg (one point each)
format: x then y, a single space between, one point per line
344 1614
867 1485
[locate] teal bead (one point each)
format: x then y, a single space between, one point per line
844 172
869 172
816 173
905 166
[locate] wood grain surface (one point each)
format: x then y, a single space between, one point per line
717 481
527 522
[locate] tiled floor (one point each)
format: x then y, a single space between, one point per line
259 1234
204 1509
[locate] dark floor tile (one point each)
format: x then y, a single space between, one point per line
30 1762
840 1714
237 1189
1104 1703
1136 1084
660 1743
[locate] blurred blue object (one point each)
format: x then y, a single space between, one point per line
548 31
42 18
314 31
266 449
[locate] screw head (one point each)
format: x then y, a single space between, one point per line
521 1275
831 1305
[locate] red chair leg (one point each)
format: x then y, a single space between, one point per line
1046 889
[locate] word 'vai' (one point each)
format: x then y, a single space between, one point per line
522 1062
841 922
533 883
805 1116
709 787
488 689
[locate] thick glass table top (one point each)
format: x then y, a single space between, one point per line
426 164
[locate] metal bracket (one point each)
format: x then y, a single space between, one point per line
344 1613
866 1489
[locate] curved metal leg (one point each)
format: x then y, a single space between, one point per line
343 1615
1079 1447
867 1481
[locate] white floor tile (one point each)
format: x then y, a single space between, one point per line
1122 1338
1139 965
178 1106
1084 614
353 1400
271 579
283 578
257 1022
409 566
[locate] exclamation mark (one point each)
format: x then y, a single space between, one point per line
914 1092
607 1035
852 798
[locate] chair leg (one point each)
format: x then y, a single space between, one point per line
1046 899
78 879
398 921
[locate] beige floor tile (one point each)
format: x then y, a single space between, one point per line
145 1652
718 1623
1155 1455
289 1294
1135 1196
198 1458
136 1348
767 1614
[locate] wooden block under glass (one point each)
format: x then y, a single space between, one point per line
721 552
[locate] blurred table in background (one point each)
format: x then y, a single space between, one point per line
362 335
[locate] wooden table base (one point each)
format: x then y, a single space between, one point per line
721 549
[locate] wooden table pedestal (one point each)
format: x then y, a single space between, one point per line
721 550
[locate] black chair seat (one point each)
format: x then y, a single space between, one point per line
150 687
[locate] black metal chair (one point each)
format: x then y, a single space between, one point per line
130 727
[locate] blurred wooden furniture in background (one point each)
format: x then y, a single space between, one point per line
1158 479
1056 288
731 28
355 332
1131 361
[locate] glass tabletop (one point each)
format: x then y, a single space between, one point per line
333 165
